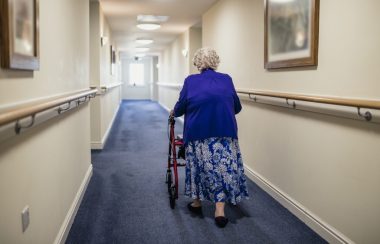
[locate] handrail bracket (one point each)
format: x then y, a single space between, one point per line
293 104
367 115
19 127
61 109
254 98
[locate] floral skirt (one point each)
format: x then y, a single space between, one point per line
214 170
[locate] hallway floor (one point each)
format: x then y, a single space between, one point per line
127 200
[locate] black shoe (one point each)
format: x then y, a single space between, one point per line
221 221
196 210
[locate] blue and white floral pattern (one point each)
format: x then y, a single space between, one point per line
214 170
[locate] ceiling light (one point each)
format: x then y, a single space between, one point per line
282 1
152 18
142 49
144 41
148 26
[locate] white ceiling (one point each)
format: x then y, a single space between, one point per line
122 18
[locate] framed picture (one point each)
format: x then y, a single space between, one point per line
19 44
291 33
112 58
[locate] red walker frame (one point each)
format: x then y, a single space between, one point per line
174 143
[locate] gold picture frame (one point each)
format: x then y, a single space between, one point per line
291 33
19 46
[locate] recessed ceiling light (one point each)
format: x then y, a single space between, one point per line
142 49
282 1
152 18
144 41
148 26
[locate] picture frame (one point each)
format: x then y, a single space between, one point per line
112 58
19 46
291 33
103 41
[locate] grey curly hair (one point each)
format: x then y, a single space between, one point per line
206 58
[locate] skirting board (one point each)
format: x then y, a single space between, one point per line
99 145
326 231
65 228
167 109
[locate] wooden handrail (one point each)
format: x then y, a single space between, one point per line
358 103
104 88
36 107
109 86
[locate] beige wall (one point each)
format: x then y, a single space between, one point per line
240 23
109 108
168 96
45 166
327 165
95 43
106 76
104 107
174 67
195 42
154 86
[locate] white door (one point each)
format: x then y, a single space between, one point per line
136 76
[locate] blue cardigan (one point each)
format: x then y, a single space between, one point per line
209 102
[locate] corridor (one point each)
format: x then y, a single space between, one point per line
127 200
286 91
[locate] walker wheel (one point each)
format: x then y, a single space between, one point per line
172 197
169 180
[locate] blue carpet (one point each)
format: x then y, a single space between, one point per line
127 200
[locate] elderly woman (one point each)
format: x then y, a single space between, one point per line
214 167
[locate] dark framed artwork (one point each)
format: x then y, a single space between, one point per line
19 46
112 58
291 33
